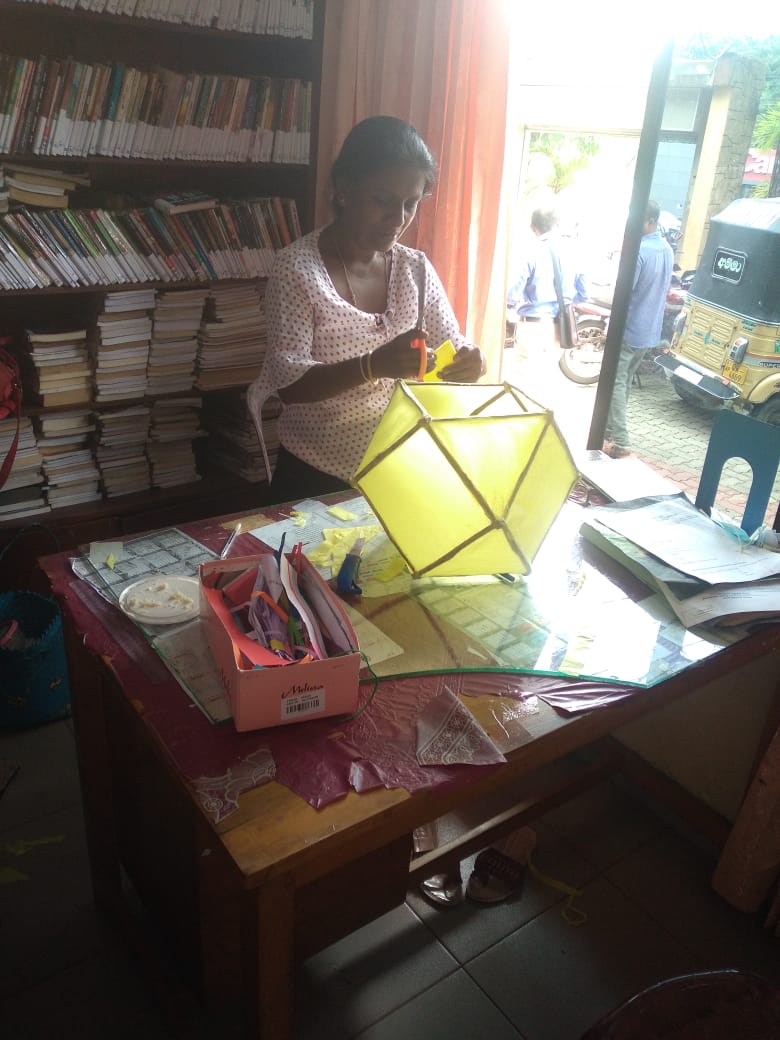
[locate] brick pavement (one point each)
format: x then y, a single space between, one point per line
668 434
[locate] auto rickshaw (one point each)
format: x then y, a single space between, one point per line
725 347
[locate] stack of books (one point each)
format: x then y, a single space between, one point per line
22 493
232 443
34 186
60 372
174 345
124 329
175 425
231 337
59 432
72 477
121 450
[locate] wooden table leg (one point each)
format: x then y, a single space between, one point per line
268 960
94 760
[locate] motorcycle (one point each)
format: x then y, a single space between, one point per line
581 363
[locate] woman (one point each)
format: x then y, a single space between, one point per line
342 312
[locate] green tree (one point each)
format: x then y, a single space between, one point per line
767 50
767 136
567 155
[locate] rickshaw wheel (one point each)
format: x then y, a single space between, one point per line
692 395
769 411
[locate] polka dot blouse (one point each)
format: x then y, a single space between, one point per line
308 324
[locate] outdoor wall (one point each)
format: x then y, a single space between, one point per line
737 83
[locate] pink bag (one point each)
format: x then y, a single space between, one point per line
10 401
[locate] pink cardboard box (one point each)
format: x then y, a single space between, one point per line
273 696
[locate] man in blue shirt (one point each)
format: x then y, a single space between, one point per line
652 277
532 302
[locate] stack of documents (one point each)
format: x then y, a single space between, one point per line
707 574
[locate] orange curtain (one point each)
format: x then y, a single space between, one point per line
443 66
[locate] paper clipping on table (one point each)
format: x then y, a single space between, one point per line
448 734
673 529
328 533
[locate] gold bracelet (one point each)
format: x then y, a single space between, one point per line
372 379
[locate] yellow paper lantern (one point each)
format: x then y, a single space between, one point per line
465 478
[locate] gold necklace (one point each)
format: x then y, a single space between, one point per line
353 297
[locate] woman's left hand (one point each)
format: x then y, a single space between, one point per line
467 366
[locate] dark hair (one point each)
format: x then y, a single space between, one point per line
544 220
379 143
652 211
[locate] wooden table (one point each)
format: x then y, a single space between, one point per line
277 880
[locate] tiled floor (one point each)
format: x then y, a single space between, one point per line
515 970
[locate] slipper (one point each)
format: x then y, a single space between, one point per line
443 890
499 872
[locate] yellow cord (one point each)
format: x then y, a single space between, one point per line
569 912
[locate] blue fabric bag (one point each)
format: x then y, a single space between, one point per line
34 684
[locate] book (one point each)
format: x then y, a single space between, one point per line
642 564
44 334
185 201
65 397
44 175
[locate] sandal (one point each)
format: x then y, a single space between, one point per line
443 890
499 872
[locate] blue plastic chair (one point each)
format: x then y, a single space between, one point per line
735 435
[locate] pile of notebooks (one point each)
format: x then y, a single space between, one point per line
22 494
232 337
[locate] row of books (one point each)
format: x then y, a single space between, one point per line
293 18
79 247
62 106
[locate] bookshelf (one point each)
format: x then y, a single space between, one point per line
166 97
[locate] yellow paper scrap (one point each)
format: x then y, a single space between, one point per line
337 542
8 875
103 552
395 567
21 847
341 513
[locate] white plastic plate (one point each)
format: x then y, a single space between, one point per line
166 599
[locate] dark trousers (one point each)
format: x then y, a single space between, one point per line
293 479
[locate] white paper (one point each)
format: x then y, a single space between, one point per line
675 531
750 599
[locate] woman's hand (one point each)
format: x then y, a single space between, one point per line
467 366
398 359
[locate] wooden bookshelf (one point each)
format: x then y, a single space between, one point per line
30 31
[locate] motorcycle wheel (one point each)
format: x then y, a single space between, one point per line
769 411
692 395
582 364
